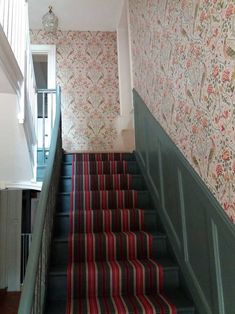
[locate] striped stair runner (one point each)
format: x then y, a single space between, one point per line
111 268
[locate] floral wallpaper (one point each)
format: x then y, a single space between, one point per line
184 69
87 71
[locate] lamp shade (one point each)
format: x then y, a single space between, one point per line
50 21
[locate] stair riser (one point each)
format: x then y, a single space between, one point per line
106 248
137 184
59 251
132 168
126 156
143 201
57 285
62 224
59 307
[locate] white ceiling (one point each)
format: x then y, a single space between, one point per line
83 15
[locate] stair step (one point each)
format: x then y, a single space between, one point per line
59 250
142 201
137 183
122 243
132 168
125 156
177 296
57 285
62 223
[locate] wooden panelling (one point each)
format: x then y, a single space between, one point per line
201 235
3 239
10 242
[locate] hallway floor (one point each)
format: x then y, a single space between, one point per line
9 302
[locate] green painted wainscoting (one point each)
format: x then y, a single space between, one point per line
201 235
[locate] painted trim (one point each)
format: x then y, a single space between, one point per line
50 51
200 233
183 215
218 267
31 185
124 66
130 47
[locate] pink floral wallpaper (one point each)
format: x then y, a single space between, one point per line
87 71
184 69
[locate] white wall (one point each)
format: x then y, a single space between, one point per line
5 86
15 163
124 63
125 123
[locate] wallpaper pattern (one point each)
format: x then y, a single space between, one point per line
87 71
184 69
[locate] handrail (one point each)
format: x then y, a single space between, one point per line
35 255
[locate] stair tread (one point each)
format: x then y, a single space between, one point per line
145 248
91 175
98 191
155 234
146 211
95 161
105 167
103 153
165 262
177 296
103 182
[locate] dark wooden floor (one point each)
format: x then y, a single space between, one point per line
9 302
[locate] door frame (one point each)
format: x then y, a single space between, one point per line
50 51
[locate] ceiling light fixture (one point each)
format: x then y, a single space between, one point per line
50 21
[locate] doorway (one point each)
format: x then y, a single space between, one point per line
44 61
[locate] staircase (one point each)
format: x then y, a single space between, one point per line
109 253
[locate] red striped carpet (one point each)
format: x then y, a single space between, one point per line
110 269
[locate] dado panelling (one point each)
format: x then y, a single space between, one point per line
183 67
200 233
87 71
